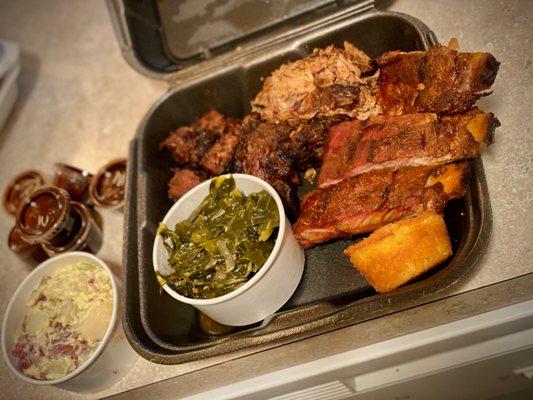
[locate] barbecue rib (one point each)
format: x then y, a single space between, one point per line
440 80
388 141
368 201
328 82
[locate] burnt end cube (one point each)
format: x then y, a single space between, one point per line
218 158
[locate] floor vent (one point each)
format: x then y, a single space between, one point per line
328 391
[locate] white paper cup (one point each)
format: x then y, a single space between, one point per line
108 362
269 289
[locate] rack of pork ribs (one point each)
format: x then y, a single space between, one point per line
390 138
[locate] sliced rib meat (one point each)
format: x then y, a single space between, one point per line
368 201
388 141
440 80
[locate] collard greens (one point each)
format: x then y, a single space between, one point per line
225 241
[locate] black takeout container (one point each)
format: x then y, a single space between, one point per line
226 76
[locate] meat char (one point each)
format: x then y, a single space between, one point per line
328 82
366 202
203 149
309 138
217 159
189 144
388 141
183 181
440 80
265 151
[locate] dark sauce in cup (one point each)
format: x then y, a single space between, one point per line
24 249
74 180
107 188
50 218
44 214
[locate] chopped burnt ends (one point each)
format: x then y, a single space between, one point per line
203 149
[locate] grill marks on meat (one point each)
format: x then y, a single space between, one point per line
328 82
385 141
366 202
204 149
389 167
437 80
372 173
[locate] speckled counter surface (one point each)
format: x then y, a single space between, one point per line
80 103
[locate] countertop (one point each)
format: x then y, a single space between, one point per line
80 103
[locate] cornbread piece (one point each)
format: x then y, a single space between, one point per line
395 141
328 82
437 80
397 253
368 201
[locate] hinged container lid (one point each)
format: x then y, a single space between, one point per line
163 39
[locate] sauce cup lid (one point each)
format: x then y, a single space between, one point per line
17 244
107 187
43 214
74 180
19 188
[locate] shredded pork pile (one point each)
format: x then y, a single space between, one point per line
330 81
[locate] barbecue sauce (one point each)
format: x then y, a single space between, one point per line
24 249
108 185
50 218
74 180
